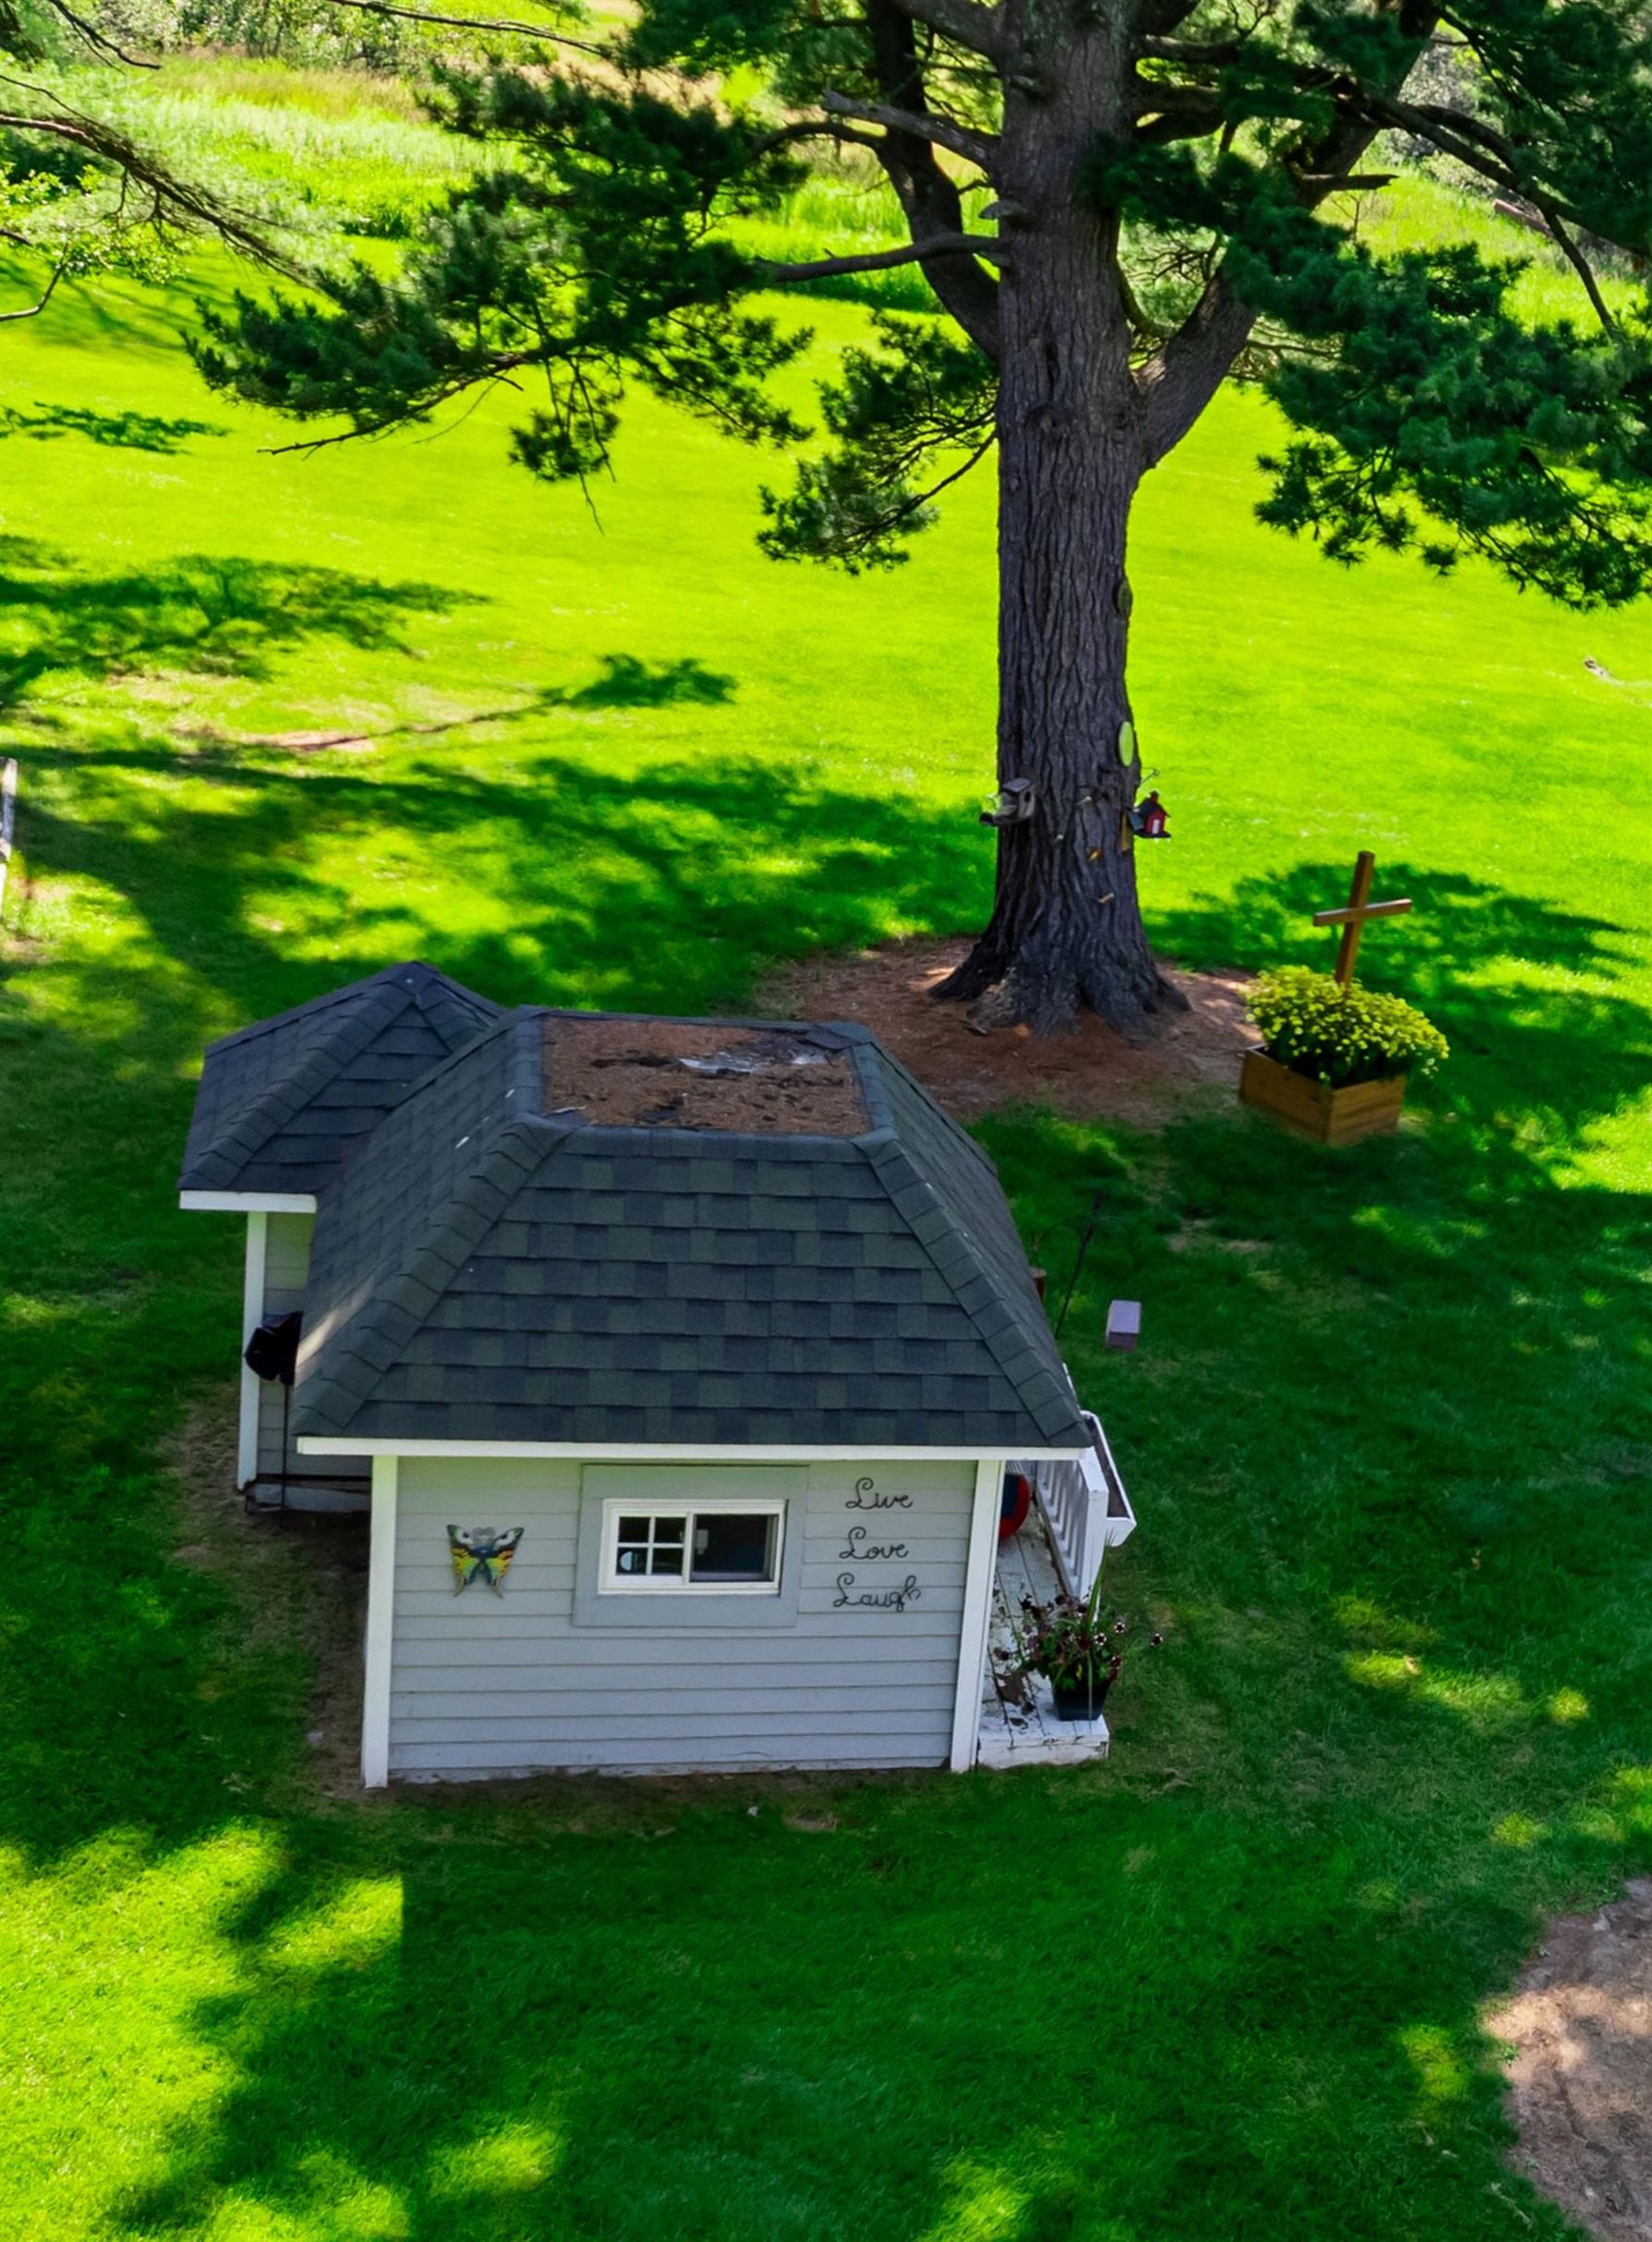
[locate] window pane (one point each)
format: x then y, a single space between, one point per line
669 1529
731 1547
633 1529
632 1561
667 1561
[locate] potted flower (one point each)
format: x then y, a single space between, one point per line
1335 1056
1079 1653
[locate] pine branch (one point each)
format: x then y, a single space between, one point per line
172 200
968 22
1193 53
33 310
883 260
500 368
1162 18
1181 378
927 193
98 41
508 25
822 129
978 148
1578 262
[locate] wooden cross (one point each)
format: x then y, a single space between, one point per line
1359 909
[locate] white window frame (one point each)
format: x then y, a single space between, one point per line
612 1582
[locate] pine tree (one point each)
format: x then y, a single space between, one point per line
1116 204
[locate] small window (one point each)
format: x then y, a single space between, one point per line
729 1548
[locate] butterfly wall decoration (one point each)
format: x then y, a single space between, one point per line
481 1553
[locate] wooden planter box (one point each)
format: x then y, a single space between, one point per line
1330 1116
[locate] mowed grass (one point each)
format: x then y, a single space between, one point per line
1389 1431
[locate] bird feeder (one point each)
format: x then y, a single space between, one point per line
1012 804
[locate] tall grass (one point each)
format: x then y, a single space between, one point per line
1422 212
320 150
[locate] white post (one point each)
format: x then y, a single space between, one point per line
7 819
380 1621
252 1314
977 1609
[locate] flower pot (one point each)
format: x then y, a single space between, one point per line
1017 1501
1313 1109
1081 1700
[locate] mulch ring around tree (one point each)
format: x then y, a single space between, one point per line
1092 1072
1580 2083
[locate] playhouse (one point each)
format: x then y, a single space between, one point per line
680 1363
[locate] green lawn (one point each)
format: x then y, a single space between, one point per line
1389 1435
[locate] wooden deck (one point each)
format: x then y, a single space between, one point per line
1024 1731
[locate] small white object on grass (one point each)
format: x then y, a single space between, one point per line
1124 1324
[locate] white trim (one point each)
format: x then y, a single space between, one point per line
1114 1530
977 1609
247 1202
612 1582
252 1314
381 1628
668 1451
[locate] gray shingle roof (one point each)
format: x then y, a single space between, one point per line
281 1102
486 1271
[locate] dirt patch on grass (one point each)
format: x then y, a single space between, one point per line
1090 1073
685 1074
309 743
295 1582
1580 2085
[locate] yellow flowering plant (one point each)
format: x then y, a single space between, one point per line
1312 1025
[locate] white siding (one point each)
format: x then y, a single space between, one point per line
483 1684
286 1274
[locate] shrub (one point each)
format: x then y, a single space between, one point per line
1313 1026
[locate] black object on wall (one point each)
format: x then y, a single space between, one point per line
273 1351
272 1354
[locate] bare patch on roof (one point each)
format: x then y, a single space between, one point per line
695 1074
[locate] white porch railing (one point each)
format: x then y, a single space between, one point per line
1085 1507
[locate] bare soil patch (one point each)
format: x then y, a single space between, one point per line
299 1579
1093 1072
308 743
688 1074
1580 2085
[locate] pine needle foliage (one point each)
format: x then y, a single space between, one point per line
600 244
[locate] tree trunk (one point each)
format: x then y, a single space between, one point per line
1067 928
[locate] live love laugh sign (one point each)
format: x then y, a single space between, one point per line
860 1549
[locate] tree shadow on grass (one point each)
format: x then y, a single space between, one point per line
1387 1437
674 888
628 683
128 430
221 616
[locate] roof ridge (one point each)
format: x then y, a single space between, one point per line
281 1100
402 1304
962 1270
439 997
869 1076
880 1055
325 1000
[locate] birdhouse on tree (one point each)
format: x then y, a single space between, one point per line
1149 819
